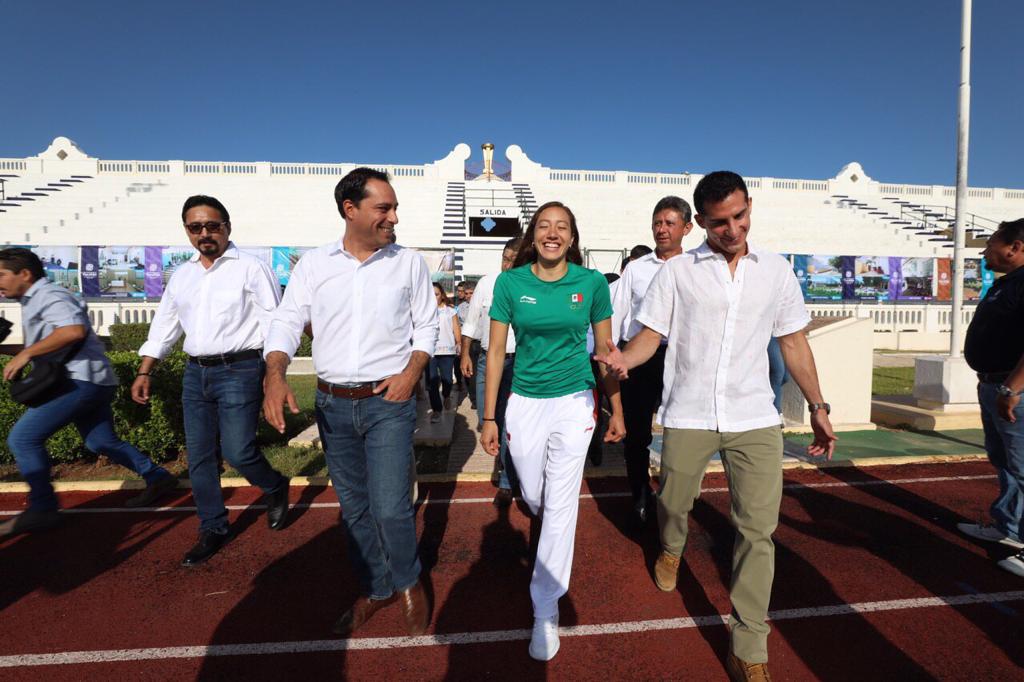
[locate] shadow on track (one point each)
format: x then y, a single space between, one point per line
82 548
495 595
907 531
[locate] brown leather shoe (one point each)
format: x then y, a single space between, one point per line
666 571
361 611
741 671
415 609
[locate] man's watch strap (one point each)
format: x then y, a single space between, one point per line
814 407
1007 392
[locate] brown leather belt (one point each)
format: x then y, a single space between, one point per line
351 392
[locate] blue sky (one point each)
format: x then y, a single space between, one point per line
791 88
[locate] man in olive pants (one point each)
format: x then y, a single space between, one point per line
718 305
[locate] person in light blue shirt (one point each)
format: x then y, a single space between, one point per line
56 324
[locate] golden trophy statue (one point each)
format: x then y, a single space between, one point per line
488 150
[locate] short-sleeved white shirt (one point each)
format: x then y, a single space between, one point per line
446 331
718 328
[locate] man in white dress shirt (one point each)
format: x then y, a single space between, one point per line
374 321
478 327
222 300
718 305
641 393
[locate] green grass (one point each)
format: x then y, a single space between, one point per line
892 381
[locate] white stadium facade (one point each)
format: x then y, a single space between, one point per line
65 202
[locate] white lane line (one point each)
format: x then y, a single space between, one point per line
379 643
488 500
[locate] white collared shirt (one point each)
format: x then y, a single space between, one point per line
367 317
478 318
225 308
718 328
628 296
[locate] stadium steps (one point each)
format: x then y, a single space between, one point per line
527 202
454 219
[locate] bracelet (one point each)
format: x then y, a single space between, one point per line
485 419
142 374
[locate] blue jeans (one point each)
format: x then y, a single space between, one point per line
507 475
440 373
777 372
87 406
367 443
222 410
1004 443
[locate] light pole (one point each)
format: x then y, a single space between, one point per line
963 133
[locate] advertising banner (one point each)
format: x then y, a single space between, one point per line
918 274
848 265
122 271
895 277
90 267
872 279
173 256
61 265
944 288
824 279
987 278
800 264
154 272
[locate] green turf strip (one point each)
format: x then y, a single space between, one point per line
865 444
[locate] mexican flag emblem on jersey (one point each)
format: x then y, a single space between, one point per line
577 298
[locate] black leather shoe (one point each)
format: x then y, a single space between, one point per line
209 544
277 506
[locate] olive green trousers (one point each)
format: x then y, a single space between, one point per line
753 466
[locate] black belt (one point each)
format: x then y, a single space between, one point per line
226 358
993 377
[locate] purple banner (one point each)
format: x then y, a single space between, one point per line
847 268
895 277
90 272
154 272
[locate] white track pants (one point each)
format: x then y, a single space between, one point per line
548 440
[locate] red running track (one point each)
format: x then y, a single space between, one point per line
107 585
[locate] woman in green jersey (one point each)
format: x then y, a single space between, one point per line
550 301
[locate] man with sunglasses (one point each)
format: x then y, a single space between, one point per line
222 299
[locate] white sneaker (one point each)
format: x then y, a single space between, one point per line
1014 564
988 534
544 643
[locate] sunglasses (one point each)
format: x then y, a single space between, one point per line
211 227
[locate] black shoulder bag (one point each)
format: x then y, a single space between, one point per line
46 380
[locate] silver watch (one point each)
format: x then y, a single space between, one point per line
814 407
1007 392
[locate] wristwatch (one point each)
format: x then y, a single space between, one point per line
1007 392
814 407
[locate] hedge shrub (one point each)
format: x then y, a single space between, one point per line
156 429
132 336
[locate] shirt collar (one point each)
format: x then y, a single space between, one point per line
230 252
704 252
36 286
339 247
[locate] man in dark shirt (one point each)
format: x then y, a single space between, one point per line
995 350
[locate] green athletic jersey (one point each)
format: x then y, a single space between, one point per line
550 320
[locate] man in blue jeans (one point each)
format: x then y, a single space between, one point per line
994 348
222 300
374 321
478 326
56 327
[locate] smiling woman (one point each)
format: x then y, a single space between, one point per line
550 301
